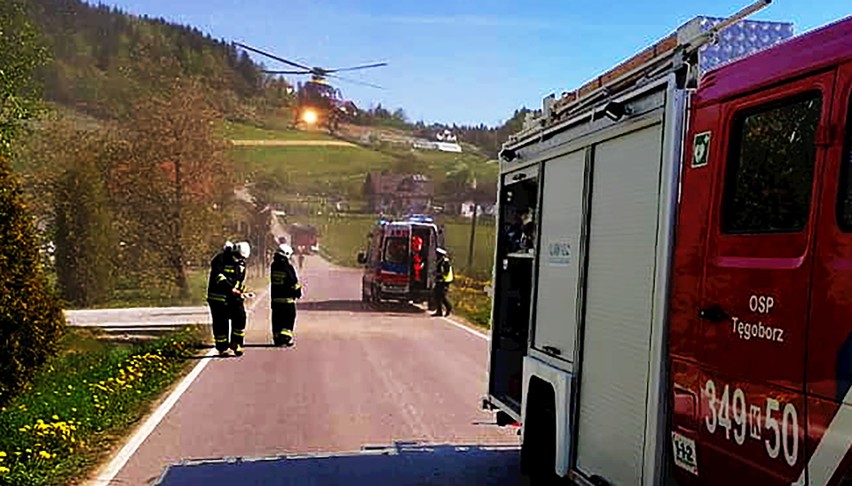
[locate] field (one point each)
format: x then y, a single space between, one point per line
332 170
311 170
241 131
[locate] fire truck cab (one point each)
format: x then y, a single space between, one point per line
673 271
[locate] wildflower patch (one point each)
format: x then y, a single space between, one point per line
60 427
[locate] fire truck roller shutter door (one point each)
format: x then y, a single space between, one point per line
559 263
619 294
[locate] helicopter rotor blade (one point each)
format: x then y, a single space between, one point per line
287 72
355 68
355 81
273 56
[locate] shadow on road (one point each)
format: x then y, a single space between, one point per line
230 354
358 306
400 465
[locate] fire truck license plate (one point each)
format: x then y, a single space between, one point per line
684 453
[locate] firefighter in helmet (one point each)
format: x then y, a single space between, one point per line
225 295
286 289
442 283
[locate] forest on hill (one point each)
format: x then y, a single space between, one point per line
102 59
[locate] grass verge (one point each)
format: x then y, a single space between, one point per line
470 300
83 401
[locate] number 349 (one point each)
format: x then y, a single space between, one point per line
732 413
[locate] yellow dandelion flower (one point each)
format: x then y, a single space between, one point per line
4 469
55 417
28 451
2 454
44 454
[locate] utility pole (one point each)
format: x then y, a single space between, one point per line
472 227
472 238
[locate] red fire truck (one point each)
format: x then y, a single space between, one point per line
683 314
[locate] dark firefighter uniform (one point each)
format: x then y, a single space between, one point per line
442 283
285 289
227 272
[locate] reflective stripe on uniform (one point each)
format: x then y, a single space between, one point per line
239 333
220 339
297 286
448 277
221 278
283 300
216 297
285 332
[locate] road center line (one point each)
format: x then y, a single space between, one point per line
120 460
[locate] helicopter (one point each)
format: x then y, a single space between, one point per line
317 102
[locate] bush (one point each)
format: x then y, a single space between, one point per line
31 318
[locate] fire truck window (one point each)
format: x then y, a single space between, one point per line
771 165
396 251
519 210
844 203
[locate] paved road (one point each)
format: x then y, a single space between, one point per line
355 378
138 318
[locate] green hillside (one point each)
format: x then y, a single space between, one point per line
102 59
284 171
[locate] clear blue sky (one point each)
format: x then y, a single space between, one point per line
452 61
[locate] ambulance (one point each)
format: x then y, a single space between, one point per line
680 309
400 260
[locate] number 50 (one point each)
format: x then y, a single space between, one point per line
785 434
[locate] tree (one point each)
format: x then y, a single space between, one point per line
82 215
21 54
174 178
30 315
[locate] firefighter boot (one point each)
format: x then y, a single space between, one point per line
283 338
237 338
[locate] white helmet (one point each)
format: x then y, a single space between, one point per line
228 246
285 250
244 249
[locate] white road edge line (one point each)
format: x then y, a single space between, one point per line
466 328
120 460
126 452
